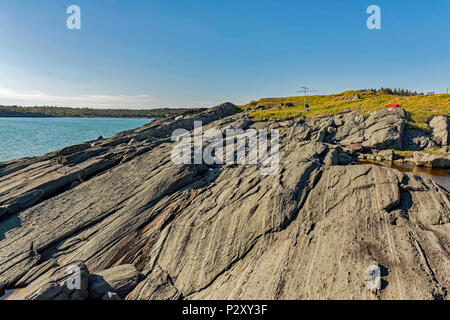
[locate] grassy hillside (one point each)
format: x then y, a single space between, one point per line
420 109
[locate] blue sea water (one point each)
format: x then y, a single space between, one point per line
28 137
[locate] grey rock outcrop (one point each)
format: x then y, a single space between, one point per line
440 128
198 231
322 253
157 285
387 154
384 129
120 280
431 160
57 171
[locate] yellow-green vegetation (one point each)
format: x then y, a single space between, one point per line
420 108
409 154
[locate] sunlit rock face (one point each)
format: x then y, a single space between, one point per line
140 226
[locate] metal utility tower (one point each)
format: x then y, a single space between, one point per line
306 90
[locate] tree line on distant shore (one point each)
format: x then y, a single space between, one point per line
48 111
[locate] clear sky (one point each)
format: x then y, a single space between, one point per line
196 53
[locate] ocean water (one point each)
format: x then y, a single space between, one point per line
28 137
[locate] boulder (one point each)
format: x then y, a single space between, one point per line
353 147
308 231
384 129
69 282
121 280
431 160
373 157
387 154
326 122
440 130
416 140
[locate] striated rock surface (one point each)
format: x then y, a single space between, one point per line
111 296
384 129
119 280
198 231
69 282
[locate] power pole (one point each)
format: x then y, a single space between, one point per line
305 90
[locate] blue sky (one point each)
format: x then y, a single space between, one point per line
196 53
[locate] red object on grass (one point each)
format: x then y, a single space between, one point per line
393 105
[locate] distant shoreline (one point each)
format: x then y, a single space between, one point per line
65 112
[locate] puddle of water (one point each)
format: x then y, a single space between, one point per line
440 176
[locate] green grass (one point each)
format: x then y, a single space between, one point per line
420 109
437 151
417 126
